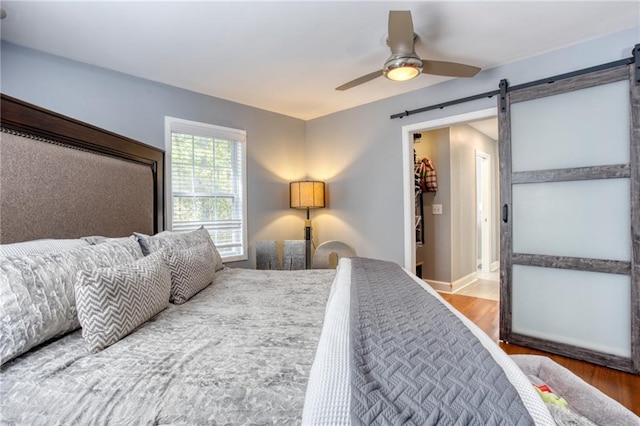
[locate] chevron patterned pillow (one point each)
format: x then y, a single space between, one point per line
191 271
113 302
179 240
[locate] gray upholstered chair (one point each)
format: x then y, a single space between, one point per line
267 255
293 255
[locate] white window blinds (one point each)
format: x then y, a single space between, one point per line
207 180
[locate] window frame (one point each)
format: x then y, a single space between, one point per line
239 136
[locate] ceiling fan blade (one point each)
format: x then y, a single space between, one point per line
400 32
360 80
449 69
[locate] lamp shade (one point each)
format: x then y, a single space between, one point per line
306 194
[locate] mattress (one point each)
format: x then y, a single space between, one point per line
239 352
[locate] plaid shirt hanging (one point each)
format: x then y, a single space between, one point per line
427 175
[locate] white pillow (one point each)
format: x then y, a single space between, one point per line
40 246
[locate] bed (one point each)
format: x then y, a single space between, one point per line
112 321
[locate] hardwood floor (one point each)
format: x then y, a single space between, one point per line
623 387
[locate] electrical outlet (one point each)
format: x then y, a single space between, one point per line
436 208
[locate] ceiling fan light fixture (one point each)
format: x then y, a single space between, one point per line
402 67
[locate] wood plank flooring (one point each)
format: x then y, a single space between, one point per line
623 387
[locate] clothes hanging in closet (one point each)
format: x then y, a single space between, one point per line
416 174
426 173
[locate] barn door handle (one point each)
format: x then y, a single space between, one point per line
505 213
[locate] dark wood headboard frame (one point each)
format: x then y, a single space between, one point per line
23 117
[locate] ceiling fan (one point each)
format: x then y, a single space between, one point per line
404 64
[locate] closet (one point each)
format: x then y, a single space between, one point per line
425 180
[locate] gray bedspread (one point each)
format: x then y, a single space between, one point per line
414 362
239 352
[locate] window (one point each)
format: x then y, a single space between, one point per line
206 183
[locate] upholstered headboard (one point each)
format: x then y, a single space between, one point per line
61 178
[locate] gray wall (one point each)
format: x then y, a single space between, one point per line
359 151
136 108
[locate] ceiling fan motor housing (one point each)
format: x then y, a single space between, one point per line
401 67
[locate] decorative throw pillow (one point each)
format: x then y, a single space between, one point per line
113 302
40 246
179 240
217 257
191 271
37 297
145 241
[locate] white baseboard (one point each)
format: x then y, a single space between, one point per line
457 285
494 266
442 286
461 283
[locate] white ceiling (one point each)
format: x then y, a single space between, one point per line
288 57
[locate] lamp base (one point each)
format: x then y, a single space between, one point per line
307 244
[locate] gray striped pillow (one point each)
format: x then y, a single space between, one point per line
113 302
191 271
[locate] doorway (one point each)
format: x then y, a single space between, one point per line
465 245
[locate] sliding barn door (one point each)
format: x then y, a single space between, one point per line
569 232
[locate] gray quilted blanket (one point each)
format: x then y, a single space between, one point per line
239 352
413 361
